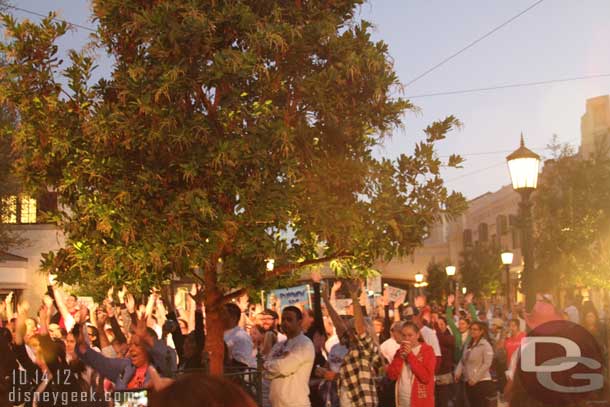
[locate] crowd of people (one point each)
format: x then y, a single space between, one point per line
458 353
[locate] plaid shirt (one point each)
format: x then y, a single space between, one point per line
357 373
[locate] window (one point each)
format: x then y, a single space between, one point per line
516 238
467 237
483 232
19 209
501 225
28 210
9 209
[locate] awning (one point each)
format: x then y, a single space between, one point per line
13 277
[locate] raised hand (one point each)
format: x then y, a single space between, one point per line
450 300
109 294
337 285
109 309
130 303
101 318
316 276
23 308
243 301
121 293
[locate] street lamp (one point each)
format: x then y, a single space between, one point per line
450 270
270 264
507 260
419 277
523 166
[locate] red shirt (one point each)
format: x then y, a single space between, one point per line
512 344
137 381
422 366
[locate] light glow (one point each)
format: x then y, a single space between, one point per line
507 258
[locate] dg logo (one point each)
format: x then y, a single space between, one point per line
561 362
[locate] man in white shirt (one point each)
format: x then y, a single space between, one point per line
429 334
238 341
389 348
289 364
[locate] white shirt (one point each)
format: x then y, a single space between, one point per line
330 342
288 366
406 382
431 339
336 356
240 346
389 348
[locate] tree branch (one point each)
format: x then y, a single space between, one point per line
196 276
294 266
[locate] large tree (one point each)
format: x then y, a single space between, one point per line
438 281
9 187
572 220
228 132
481 269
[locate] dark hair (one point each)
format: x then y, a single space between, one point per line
233 310
413 326
442 318
514 321
151 332
190 389
485 332
296 311
270 312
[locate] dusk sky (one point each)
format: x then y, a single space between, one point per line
556 39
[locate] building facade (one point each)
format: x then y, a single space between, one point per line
20 266
595 126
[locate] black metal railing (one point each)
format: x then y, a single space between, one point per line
250 379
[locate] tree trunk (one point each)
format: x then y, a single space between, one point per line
214 343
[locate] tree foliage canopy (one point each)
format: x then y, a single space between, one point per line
572 220
481 269
228 132
233 130
438 281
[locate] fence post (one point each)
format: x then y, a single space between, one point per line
259 378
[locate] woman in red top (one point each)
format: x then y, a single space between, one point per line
513 342
413 369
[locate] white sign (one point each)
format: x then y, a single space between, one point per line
342 305
374 284
396 295
289 296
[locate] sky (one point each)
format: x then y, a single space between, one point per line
556 39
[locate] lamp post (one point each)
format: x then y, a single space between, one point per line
450 270
419 278
523 166
507 260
